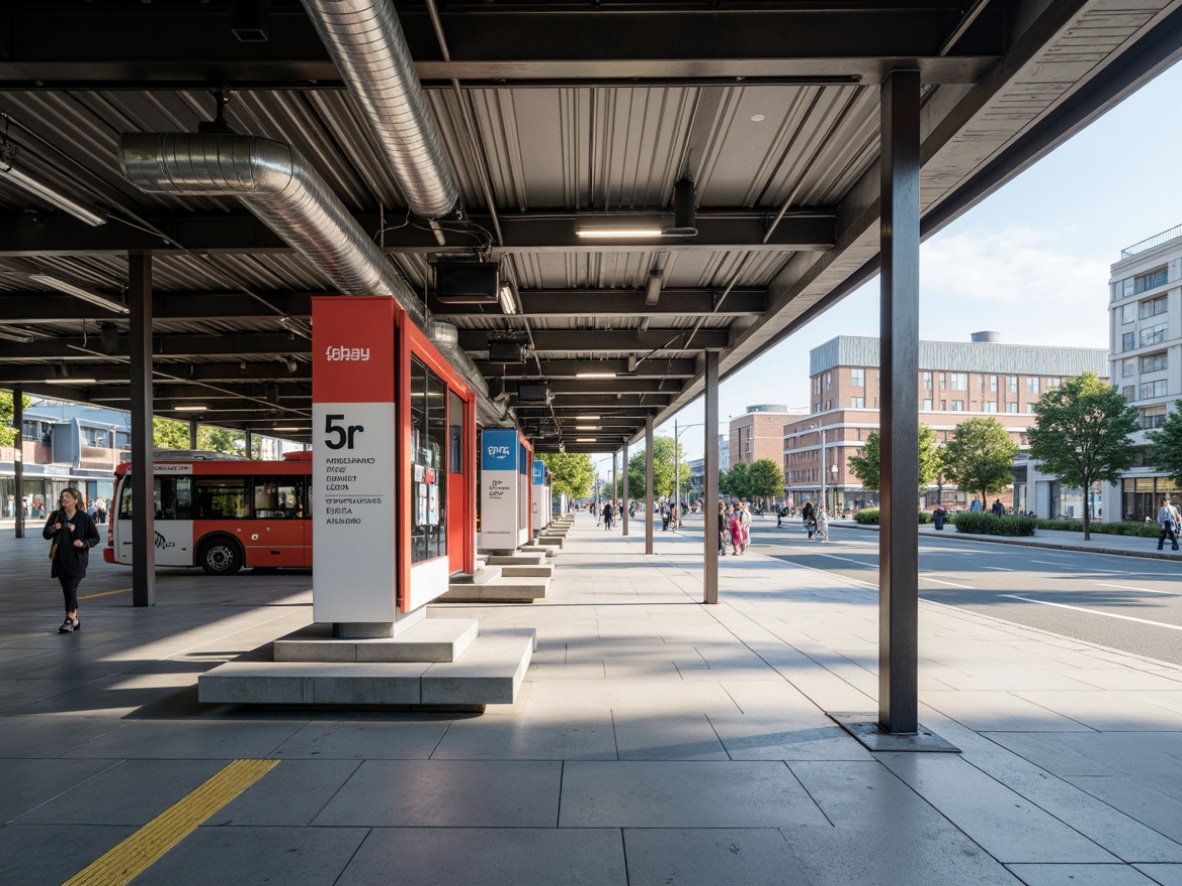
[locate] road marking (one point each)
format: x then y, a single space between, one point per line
1144 621
949 583
1048 563
133 856
998 568
847 559
1105 584
105 594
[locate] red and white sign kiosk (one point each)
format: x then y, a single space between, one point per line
393 468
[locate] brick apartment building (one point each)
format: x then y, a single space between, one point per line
759 433
957 381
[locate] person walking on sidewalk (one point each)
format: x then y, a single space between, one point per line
1167 522
809 513
745 524
74 534
822 524
607 515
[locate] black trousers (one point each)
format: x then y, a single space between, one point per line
1161 537
70 590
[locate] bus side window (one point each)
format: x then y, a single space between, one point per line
173 496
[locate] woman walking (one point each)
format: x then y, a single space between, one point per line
723 529
74 534
736 527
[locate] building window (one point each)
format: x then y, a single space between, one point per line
1145 282
817 385
829 381
1032 384
1153 416
993 384
1153 389
1128 367
927 381
1030 408
1128 313
958 405
991 406
958 381
1013 384
927 405
1011 406
1154 334
857 402
858 378
943 381
1153 362
1128 341
1054 382
1153 307
1129 392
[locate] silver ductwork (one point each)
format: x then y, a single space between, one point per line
366 41
273 182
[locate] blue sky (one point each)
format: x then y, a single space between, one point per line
1031 261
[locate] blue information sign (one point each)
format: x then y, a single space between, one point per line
498 449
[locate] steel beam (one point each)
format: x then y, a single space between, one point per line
143 501
33 306
898 576
710 488
575 303
551 369
584 341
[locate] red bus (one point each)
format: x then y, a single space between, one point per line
220 512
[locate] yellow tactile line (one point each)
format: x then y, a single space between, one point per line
144 848
106 594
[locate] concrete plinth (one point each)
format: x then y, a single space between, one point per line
431 640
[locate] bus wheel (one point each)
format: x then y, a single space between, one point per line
220 556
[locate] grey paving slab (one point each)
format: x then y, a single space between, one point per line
401 737
752 856
490 857
447 793
1005 824
1001 712
31 736
1138 798
292 793
291 856
574 736
1163 874
132 792
1111 753
1080 875
181 740
666 737
768 737
701 794
39 855
30 783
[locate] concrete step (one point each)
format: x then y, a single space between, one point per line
515 590
490 672
550 541
547 550
516 559
430 640
479 577
538 571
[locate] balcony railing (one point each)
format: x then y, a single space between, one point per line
1155 240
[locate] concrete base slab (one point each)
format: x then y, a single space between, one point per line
539 571
515 560
554 541
864 727
545 550
431 640
482 575
312 683
490 672
517 590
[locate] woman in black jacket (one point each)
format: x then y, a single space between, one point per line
74 534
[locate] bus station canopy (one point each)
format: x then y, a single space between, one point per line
655 180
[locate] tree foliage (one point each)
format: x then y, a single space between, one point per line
865 465
736 481
1082 434
663 480
1165 445
570 472
7 410
766 478
980 456
168 433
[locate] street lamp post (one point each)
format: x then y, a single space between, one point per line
824 462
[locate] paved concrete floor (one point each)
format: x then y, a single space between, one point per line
656 741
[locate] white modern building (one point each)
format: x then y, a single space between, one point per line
1145 356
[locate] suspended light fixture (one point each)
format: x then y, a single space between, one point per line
78 292
49 194
15 335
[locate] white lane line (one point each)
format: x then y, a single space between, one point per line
847 559
1144 621
1105 584
949 583
998 568
1049 563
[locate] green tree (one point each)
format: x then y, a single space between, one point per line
1165 445
168 433
570 472
663 480
979 456
1082 434
736 481
865 465
766 478
7 410
221 439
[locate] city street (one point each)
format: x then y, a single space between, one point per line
1130 604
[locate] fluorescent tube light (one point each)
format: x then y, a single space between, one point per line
70 381
508 305
588 427
619 233
78 292
194 408
52 196
15 335
584 439
289 429
595 375
586 418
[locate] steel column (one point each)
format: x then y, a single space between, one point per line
143 504
18 460
192 433
648 484
249 445
710 490
624 505
615 486
898 577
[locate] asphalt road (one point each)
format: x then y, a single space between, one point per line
1126 603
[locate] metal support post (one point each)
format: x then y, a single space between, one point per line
143 504
624 500
648 484
898 576
615 486
18 462
192 433
710 490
